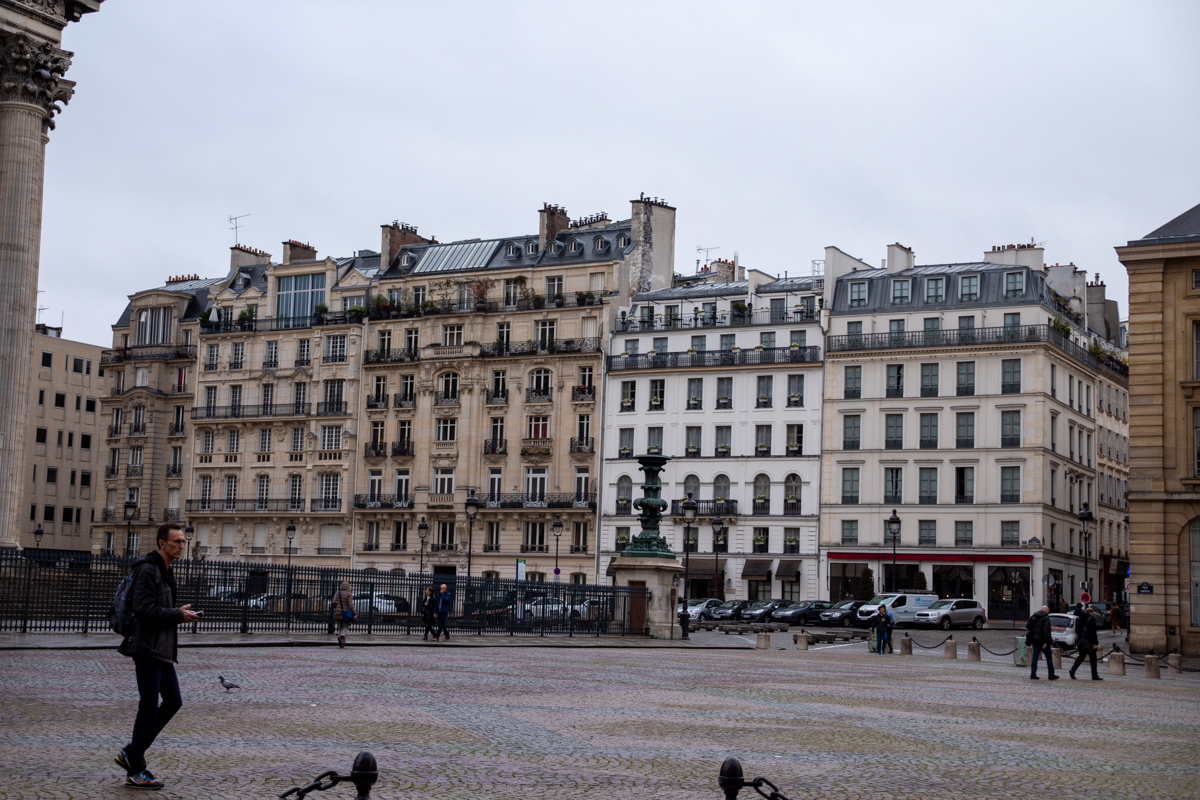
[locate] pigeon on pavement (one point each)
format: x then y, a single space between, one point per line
227 684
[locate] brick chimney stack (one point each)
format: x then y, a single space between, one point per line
294 251
243 255
551 220
395 236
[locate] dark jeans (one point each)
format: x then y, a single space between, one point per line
1038 648
442 617
154 678
1084 654
429 627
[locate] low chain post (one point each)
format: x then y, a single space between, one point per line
87 599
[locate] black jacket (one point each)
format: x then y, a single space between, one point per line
1085 633
881 624
428 608
1038 629
154 613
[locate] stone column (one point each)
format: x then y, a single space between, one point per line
31 88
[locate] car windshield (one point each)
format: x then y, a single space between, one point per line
700 602
942 604
730 604
847 604
761 604
879 600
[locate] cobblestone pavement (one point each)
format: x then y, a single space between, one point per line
505 722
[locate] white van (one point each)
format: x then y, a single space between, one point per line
903 605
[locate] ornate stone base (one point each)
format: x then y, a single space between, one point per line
658 576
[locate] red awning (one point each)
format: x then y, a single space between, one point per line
941 558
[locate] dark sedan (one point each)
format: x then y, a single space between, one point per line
729 610
844 614
762 610
806 612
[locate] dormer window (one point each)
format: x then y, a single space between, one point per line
512 251
934 291
900 293
622 241
406 260
531 248
599 245
858 294
574 246
1014 284
968 287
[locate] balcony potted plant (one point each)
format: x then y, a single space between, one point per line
320 310
692 351
589 298
204 315
760 539
245 319
356 313
723 449
625 451
478 290
791 498
653 449
763 399
693 450
792 540
430 307
758 347
794 397
580 297
762 448
622 538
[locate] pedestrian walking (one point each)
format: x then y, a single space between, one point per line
444 603
891 624
153 644
343 611
1038 637
1087 642
429 613
881 623
1115 610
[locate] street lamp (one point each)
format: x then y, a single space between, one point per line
187 535
893 526
472 508
689 514
291 535
556 526
423 533
1085 516
130 513
37 536
718 526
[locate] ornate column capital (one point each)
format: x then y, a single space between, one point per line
32 72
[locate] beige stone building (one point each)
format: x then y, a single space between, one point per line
63 468
1164 430
150 378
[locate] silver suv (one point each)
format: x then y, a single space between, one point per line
946 614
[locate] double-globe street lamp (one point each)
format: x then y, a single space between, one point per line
557 527
37 544
291 535
472 508
718 526
130 513
1085 517
689 514
423 534
893 527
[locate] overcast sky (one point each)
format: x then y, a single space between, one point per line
775 129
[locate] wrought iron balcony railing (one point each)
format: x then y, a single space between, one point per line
543 347
383 501
141 352
716 358
491 398
495 447
583 394
391 356
718 319
400 400
220 505
252 411
707 508
585 444
542 395
403 448
332 408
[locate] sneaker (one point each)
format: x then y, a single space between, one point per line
1034 678
122 761
143 780
1054 677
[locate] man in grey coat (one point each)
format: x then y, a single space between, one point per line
1038 637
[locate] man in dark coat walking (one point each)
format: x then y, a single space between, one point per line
444 605
153 644
1087 641
1039 639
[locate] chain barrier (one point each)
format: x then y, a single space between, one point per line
984 647
732 781
363 775
930 646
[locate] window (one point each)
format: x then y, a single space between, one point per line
850 484
47 359
724 392
721 488
850 531
1014 284
446 429
60 400
625 437
335 348
893 485
728 341
762 440
537 427
659 343
966 324
968 287
854 328
964 429
297 298
766 389
52 472
1010 380
700 343
934 290
723 435
658 390
1010 484
554 283
900 292
1012 321
966 378
929 380
799 338
766 339
628 395
858 294
795 398
927 533
893 431
795 440
896 328
964 485
233 438
853 388
695 393
40 436
654 440
1010 428
895 380
331 437
929 431
692 439
964 534
1010 534
851 432
927 478
85 479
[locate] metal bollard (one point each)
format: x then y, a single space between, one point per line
763 642
801 641
906 646
1020 653
1150 670
1116 663
1174 664
1056 654
951 649
973 651
363 775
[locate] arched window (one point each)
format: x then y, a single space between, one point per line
791 487
531 248
691 485
598 243
512 251
762 487
449 384
624 489
539 380
721 488
574 246
622 241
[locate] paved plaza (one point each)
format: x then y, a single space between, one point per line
531 722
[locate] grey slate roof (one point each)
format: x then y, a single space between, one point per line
1184 228
198 289
696 291
991 290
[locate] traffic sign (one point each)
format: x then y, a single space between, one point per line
557 571
1085 598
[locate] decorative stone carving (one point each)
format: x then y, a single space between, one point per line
33 73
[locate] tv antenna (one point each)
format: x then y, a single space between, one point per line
234 225
40 309
706 251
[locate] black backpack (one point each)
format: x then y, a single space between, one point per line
120 613
1030 629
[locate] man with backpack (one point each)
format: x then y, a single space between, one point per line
146 615
1039 639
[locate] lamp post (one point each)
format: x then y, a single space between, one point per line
188 533
893 526
718 526
37 539
291 535
130 511
1085 517
423 533
689 514
472 508
557 527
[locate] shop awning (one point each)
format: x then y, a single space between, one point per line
788 570
757 569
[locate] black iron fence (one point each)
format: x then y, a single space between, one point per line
42 590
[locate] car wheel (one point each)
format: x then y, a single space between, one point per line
979 623
944 624
846 623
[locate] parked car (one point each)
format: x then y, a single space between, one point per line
903 605
805 612
545 607
1062 630
946 614
701 607
363 601
763 609
844 614
729 610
